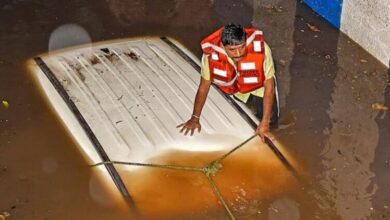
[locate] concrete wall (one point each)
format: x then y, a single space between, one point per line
367 22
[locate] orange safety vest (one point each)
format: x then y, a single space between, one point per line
249 74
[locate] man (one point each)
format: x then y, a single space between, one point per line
239 62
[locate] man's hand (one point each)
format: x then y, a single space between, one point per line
200 99
263 131
190 125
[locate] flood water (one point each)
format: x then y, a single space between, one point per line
327 84
249 179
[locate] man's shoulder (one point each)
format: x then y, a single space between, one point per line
267 49
205 57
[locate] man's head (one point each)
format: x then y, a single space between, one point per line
234 41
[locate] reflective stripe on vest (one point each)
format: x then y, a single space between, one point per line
223 83
257 46
248 66
252 37
215 47
214 56
220 72
250 80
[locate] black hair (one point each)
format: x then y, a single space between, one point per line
232 34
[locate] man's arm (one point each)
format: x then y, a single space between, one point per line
268 100
269 94
200 99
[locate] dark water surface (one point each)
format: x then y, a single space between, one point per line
327 87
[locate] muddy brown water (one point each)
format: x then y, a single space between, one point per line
248 179
327 86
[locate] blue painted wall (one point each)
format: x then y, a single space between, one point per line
329 9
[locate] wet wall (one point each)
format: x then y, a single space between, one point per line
365 22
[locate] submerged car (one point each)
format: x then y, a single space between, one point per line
122 100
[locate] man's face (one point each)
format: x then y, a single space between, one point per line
236 52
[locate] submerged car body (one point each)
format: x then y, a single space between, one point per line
122 100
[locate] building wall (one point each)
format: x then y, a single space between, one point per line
329 9
367 22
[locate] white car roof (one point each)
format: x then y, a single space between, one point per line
133 93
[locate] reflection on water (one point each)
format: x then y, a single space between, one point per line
68 35
348 156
